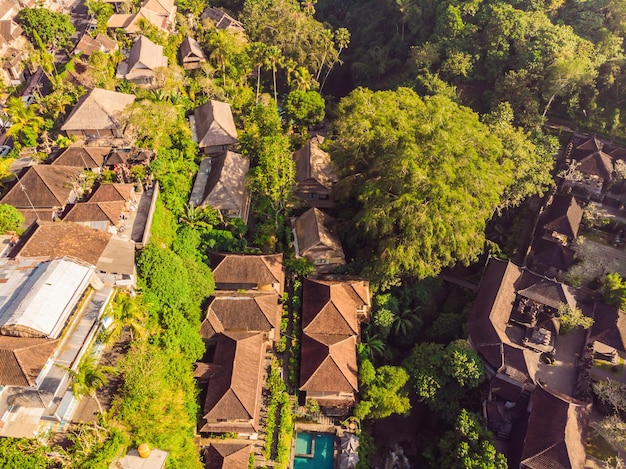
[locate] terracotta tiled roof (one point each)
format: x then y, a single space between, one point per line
112 192
45 185
59 239
227 456
215 124
557 432
492 308
234 392
22 359
82 157
99 109
95 211
548 254
564 215
328 363
237 269
330 307
251 311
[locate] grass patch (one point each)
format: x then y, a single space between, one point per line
598 447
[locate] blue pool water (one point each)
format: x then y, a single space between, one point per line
320 445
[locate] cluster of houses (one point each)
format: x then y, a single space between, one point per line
539 401
241 323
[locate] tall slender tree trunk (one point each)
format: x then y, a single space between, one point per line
275 92
258 82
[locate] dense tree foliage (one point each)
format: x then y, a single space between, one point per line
10 218
45 28
382 391
424 175
614 289
469 446
22 453
443 375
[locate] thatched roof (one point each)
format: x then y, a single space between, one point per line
550 293
557 432
215 125
313 163
234 392
190 50
250 311
237 269
598 164
564 215
609 326
314 229
22 359
328 363
9 30
144 55
225 187
99 109
227 456
45 186
82 157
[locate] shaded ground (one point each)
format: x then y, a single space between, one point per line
87 409
598 259
562 375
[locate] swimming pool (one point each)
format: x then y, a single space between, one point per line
314 451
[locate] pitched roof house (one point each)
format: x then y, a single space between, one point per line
159 13
226 456
88 45
222 20
248 272
190 54
563 217
221 184
42 190
331 313
234 311
110 254
214 127
113 192
82 157
234 384
38 301
557 432
315 175
316 240
144 58
98 114
103 216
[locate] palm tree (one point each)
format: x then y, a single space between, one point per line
257 52
327 40
342 38
302 79
23 116
405 322
128 312
273 57
88 378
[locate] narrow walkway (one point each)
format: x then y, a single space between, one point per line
77 339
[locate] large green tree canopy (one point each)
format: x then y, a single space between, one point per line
423 176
